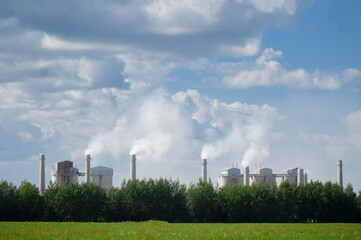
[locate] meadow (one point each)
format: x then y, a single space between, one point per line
164 230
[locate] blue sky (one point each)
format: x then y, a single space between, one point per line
261 83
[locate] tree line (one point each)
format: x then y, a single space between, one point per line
169 200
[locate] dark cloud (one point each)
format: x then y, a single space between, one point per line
150 25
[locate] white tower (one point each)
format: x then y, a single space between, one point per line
132 167
339 173
204 170
87 168
42 174
246 176
305 178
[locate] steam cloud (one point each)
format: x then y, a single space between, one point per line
163 127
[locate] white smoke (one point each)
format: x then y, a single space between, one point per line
160 128
237 131
255 154
94 148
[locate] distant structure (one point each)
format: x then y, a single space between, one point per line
133 158
87 168
64 172
339 173
204 170
246 176
42 174
103 176
232 176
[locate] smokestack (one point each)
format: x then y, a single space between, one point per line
204 170
339 173
305 178
299 176
87 168
246 176
42 174
132 167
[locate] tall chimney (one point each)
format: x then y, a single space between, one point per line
132 167
42 174
246 176
339 173
299 176
87 168
204 170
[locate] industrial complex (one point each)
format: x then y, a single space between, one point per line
65 172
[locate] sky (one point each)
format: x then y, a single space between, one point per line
240 82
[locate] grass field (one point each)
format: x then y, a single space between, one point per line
162 230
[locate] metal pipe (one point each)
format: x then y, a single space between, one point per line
132 167
42 174
204 170
339 173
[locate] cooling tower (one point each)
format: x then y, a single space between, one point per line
132 167
87 168
339 173
300 176
246 176
204 170
42 174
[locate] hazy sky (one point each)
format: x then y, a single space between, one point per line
250 82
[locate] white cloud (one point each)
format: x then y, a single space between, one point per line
25 136
249 48
353 122
187 28
266 71
168 17
272 6
353 138
54 43
64 73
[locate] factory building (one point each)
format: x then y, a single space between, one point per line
103 176
232 176
64 172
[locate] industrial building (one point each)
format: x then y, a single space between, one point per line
233 176
65 172
103 176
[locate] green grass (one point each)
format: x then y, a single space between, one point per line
162 230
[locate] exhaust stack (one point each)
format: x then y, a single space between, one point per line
204 170
42 174
87 168
246 176
132 167
339 173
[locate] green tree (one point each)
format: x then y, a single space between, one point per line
30 202
202 202
50 202
114 209
9 202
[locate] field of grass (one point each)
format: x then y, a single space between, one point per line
162 230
